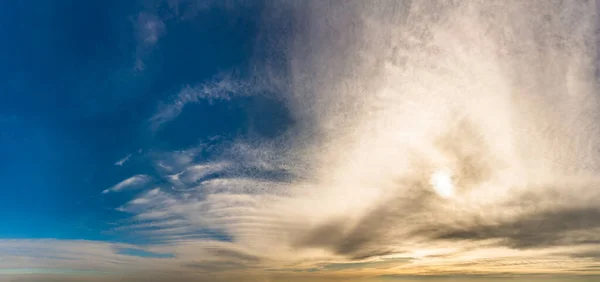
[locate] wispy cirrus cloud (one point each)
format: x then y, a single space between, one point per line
150 25
219 88
123 160
149 28
130 183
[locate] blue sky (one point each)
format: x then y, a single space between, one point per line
74 103
183 140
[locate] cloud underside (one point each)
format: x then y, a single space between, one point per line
384 95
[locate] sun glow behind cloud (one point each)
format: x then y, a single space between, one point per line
429 137
441 181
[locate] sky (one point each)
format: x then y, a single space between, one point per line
182 140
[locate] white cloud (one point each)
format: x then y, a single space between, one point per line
381 106
133 182
123 160
194 173
221 88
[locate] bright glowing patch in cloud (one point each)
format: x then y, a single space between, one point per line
441 181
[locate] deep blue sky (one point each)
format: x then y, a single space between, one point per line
74 100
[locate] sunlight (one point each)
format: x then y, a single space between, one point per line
441 181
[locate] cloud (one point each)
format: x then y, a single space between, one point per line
383 96
123 160
129 183
222 87
149 28
35 260
61 254
150 25
196 173
538 230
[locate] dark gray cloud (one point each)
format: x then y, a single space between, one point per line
493 277
536 230
216 266
360 240
232 255
593 254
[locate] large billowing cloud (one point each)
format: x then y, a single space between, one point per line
497 99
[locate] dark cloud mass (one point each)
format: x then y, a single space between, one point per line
541 229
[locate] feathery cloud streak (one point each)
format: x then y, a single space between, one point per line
130 183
